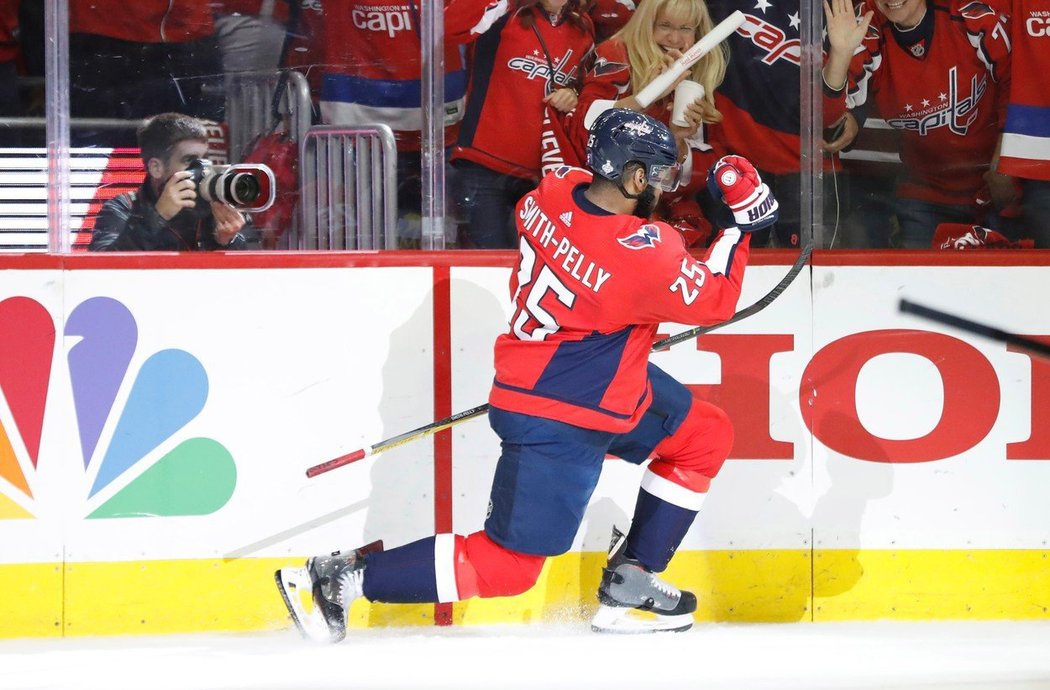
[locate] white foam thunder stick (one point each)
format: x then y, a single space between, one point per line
690 57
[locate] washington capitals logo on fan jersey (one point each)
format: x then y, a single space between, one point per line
976 10
771 39
644 237
604 66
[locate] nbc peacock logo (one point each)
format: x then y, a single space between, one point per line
128 423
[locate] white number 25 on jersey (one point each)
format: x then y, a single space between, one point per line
532 321
691 271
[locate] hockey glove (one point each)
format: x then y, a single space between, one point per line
735 182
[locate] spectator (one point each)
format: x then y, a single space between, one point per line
130 59
251 34
761 109
526 55
947 96
372 73
609 16
165 214
654 37
1026 140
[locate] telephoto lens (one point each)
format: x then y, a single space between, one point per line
246 187
239 188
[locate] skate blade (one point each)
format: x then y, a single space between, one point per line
629 621
297 591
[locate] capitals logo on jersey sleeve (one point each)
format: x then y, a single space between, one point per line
603 66
644 237
976 10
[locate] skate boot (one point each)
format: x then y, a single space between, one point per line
634 600
319 595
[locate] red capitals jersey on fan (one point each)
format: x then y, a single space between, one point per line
1026 138
372 69
590 289
945 89
509 77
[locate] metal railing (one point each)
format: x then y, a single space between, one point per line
249 104
348 188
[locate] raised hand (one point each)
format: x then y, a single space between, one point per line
736 183
845 34
845 31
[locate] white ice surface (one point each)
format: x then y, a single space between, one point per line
967 656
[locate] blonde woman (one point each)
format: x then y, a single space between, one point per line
657 34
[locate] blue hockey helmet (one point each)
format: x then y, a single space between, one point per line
620 136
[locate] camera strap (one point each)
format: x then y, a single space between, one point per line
552 85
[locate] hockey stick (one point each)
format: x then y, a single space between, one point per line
1021 342
399 440
442 424
720 32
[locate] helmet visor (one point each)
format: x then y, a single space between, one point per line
666 177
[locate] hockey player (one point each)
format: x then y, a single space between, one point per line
593 281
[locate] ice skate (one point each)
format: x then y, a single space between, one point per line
319 594
634 600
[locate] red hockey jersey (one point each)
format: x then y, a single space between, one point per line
945 87
509 77
590 289
372 69
143 21
1026 139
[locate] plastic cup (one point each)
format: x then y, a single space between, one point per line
684 94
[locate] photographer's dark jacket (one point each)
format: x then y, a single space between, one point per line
130 222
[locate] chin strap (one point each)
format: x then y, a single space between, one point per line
646 200
623 190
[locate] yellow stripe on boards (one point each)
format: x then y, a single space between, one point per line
31 603
163 597
216 595
364 614
993 584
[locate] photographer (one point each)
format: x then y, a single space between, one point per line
166 214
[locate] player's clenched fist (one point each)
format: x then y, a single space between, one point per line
735 182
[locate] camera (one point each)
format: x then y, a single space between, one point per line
247 187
